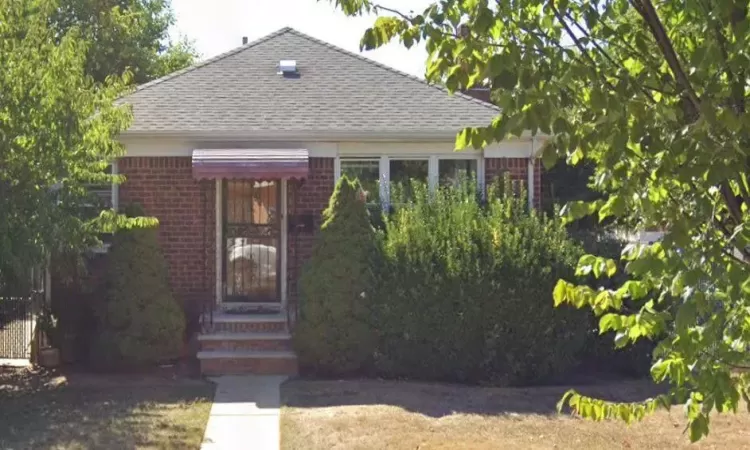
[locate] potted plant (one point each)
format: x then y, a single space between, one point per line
49 351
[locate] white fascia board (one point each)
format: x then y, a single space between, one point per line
163 145
404 149
160 146
517 148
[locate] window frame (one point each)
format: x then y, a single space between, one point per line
433 171
376 159
114 201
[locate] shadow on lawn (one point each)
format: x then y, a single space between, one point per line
47 411
438 400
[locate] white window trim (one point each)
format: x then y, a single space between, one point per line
115 202
433 168
115 188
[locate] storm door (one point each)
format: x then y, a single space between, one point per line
252 238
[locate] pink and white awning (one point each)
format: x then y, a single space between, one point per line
265 164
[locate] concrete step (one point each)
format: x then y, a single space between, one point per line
278 340
245 323
265 362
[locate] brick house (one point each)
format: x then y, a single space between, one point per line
238 155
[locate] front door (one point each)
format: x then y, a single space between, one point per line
252 238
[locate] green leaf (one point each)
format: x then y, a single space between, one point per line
610 322
506 79
698 427
560 125
549 155
660 370
685 317
585 264
568 396
614 206
559 294
463 138
611 267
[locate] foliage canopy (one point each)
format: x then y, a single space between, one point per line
125 36
64 63
57 136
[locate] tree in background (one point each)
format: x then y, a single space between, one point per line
655 99
125 35
58 131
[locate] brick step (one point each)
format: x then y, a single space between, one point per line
224 362
280 341
246 323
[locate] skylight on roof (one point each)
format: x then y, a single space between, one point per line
287 67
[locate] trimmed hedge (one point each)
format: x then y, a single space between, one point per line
453 288
139 322
465 291
333 335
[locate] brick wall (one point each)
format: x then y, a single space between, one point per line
310 197
185 207
166 189
517 168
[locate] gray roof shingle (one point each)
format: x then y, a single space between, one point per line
336 91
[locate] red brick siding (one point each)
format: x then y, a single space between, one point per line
311 197
518 169
185 208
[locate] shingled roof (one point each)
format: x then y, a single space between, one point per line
336 91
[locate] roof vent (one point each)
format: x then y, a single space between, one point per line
288 67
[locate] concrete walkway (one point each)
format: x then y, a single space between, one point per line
245 413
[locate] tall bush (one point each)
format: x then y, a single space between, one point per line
334 335
465 291
139 322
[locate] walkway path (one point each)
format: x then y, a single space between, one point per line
245 413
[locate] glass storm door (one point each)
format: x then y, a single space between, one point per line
252 230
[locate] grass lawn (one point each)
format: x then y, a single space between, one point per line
371 414
49 411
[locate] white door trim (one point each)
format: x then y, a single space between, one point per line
219 238
284 231
219 219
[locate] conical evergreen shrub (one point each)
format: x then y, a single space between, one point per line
139 322
333 335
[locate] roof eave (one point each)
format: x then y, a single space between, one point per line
284 135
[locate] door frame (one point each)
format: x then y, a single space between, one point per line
219 244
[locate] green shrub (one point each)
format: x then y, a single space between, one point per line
465 291
333 335
138 322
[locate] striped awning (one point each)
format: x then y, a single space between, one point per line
265 164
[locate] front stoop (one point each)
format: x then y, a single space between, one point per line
247 344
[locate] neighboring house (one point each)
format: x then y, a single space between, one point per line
237 157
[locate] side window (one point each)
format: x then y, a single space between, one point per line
100 198
101 194
368 173
453 172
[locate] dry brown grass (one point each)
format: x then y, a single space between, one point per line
404 415
52 411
